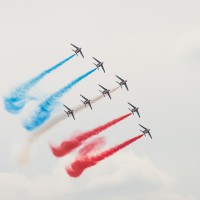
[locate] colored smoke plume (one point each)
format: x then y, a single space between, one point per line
91 147
80 164
46 107
15 102
69 145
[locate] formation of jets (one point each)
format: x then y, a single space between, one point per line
105 92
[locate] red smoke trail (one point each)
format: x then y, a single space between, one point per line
69 145
91 147
79 165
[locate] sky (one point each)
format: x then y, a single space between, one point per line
155 45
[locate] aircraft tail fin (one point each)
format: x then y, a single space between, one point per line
66 113
74 52
119 84
102 93
131 110
142 131
83 102
96 66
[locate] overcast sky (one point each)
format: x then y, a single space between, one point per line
155 45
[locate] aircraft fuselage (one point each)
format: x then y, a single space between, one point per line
134 110
87 102
146 131
123 82
69 112
77 50
106 91
100 64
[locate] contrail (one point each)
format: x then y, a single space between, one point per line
69 145
25 154
15 102
46 107
80 164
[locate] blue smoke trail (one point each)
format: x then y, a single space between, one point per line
46 107
15 102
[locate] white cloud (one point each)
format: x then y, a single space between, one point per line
122 176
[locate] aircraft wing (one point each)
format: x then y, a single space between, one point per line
138 113
119 78
66 107
126 86
81 53
102 87
96 60
84 97
109 95
103 68
150 135
73 115
74 46
142 126
131 105
90 105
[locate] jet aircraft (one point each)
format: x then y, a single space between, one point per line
123 82
146 131
77 50
69 112
87 101
105 91
99 64
134 109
